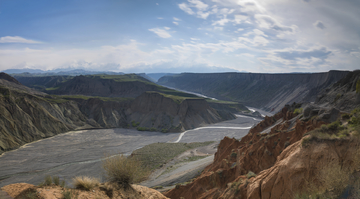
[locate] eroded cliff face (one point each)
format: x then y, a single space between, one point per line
267 91
154 110
263 147
27 115
342 94
26 118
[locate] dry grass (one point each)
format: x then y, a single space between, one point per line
124 171
334 181
85 183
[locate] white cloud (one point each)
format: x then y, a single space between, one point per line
268 22
199 4
160 18
176 23
17 39
176 19
160 32
238 19
218 28
186 8
167 28
202 14
221 22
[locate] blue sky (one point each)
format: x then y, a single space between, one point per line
273 36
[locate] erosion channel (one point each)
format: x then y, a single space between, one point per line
79 153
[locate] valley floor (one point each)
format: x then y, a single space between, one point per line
80 152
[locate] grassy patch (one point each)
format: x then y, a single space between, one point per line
176 98
84 97
154 155
124 171
85 183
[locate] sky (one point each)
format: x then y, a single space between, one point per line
151 36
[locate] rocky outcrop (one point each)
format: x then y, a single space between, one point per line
154 110
267 91
236 161
297 166
342 94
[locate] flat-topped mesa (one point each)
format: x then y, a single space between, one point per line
172 113
270 92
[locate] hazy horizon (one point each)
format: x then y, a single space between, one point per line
174 36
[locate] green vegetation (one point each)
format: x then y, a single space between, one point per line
85 183
56 180
135 124
333 181
250 174
358 86
334 130
48 180
124 170
298 110
176 98
84 97
157 154
69 194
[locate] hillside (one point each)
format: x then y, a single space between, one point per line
27 115
303 151
270 92
344 94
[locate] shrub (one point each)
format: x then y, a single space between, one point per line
142 128
69 194
164 130
85 183
250 174
56 180
135 124
124 171
48 180
298 110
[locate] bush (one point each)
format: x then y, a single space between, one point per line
135 124
69 194
48 180
85 183
164 130
250 174
56 180
298 110
142 128
124 171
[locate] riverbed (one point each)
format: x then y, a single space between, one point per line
79 153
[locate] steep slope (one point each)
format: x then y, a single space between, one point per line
344 94
267 91
41 83
236 161
159 111
25 117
